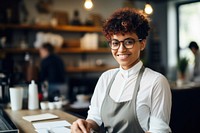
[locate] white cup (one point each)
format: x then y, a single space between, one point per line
16 98
58 104
44 105
51 105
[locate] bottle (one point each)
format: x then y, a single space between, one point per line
30 69
33 102
76 19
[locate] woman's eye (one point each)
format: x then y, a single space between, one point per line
115 43
129 42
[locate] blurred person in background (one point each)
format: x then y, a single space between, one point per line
52 71
193 46
131 98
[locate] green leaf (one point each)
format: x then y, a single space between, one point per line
182 64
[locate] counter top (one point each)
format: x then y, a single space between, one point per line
188 85
27 127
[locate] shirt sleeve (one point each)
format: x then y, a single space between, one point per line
96 101
160 106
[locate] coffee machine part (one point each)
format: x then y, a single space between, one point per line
4 88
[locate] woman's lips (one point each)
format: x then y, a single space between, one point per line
123 56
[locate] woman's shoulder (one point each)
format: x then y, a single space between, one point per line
109 73
152 74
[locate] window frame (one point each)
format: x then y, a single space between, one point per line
178 22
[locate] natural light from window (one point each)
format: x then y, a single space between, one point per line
189 28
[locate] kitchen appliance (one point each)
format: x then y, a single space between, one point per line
6 125
4 89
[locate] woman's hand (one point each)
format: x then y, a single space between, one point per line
81 126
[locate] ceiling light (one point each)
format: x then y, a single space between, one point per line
88 4
148 8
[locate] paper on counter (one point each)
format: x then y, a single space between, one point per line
61 130
42 131
55 130
39 117
51 125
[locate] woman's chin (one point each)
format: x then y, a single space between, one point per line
125 65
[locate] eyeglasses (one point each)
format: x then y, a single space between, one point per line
128 43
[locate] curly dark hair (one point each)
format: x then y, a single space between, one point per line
126 20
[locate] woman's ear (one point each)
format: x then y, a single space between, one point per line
143 44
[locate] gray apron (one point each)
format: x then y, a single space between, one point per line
121 117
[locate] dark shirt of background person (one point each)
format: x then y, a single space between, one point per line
52 67
52 70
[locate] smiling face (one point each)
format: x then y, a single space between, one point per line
128 57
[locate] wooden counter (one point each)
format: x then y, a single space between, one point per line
27 127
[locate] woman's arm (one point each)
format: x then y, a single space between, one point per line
160 106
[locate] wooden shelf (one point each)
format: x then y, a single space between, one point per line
88 69
60 51
67 28
79 50
19 50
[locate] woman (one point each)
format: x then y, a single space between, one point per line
130 98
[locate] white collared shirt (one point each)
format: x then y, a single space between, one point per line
153 101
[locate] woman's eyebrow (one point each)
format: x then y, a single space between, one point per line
124 39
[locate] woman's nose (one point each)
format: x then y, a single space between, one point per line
121 47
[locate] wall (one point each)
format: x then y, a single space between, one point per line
105 8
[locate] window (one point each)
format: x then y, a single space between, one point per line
189 27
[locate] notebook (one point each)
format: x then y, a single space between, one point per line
40 117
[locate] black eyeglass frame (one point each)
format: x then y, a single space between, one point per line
134 41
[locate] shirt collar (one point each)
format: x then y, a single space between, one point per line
131 71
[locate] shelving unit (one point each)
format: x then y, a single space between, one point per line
70 69
69 50
81 67
59 51
52 28
88 69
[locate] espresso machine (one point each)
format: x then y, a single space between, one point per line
4 89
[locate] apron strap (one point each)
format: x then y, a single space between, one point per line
111 81
135 93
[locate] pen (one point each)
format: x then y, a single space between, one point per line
49 130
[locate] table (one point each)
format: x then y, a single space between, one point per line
185 113
27 127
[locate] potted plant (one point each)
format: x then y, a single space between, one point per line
182 67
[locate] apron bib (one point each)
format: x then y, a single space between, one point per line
121 117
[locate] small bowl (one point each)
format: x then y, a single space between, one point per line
44 105
51 105
83 97
58 104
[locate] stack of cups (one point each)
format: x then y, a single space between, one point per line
50 105
16 98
